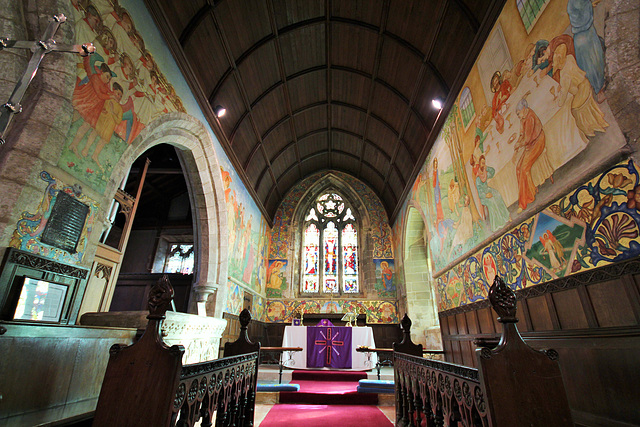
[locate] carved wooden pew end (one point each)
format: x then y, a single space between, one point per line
515 385
146 384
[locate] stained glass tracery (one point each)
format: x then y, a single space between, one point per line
330 247
330 258
350 258
310 276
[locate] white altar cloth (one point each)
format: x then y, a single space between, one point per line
296 336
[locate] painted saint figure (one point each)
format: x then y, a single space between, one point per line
501 92
438 201
549 249
529 147
588 47
387 275
489 197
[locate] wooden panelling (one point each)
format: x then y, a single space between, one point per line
540 316
485 319
610 304
453 328
595 327
472 322
570 311
523 315
462 324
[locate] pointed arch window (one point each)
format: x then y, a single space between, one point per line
330 248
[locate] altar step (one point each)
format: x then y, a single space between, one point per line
328 388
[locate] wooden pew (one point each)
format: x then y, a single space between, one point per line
146 384
515 385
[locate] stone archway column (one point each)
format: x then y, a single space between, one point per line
206 193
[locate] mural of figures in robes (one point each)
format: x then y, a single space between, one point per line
118 91
247 237
529 124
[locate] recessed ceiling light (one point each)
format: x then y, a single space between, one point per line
219 111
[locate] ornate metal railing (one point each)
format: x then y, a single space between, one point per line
220 392
437 393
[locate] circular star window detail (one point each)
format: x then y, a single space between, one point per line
330 205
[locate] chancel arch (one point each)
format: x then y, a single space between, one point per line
421 301
199 162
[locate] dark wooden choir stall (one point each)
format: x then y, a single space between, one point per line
145 384
514 385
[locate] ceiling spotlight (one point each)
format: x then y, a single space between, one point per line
219 111
437 103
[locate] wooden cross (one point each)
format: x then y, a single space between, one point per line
39 48
329 342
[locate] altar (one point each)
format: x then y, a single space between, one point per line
325 346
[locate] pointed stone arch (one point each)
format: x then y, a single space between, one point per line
206 192
419 284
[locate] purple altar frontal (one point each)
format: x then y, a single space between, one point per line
329 346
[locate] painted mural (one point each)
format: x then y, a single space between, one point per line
247 236
595 225
257 309
281 311
118 91
530 123
30 226
235 302
281 232
276 280
386 278
235 298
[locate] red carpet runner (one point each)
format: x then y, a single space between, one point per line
328 388
285 415
329 399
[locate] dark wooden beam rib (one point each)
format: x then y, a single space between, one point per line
176 50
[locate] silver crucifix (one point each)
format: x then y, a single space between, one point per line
39 48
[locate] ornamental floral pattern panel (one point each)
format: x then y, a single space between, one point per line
595 225
28 233
281 311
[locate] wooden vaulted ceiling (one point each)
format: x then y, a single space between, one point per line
313 85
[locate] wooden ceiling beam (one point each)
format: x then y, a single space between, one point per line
283 77
327 52
245 99
414 95
193 23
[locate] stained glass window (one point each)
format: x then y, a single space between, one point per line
311 256
330 258
350 258
330 247
180 259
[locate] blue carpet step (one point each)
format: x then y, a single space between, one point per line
376 386
278 387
